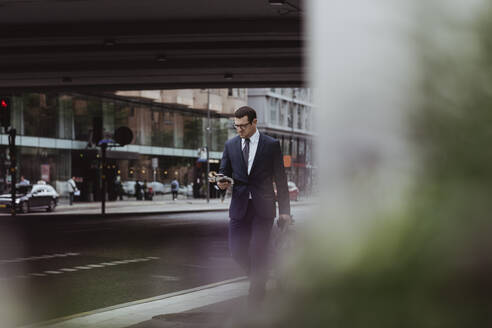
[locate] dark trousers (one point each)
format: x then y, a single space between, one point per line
175 194
249 239
70 197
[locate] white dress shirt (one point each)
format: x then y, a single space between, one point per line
253 145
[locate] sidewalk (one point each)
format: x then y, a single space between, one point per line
134 207
205 306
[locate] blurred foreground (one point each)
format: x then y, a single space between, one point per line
403 236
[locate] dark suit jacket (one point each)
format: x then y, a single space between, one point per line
267 167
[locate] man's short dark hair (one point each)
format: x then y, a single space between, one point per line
245 111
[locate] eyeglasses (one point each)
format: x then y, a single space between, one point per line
241 126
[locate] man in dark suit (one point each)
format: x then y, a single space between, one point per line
254 161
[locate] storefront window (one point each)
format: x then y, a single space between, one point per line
50 165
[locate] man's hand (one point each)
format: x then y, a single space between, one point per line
223 185
284 220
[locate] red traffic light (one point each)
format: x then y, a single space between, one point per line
5 112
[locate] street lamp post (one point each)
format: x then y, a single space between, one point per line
208 145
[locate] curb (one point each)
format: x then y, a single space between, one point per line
123 305
55 216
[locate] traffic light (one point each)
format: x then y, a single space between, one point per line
5 112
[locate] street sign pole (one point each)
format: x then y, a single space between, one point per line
122 137
12 133
104 146
208 145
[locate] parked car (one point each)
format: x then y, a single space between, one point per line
157 187
293 190
38 196
186 190
129 187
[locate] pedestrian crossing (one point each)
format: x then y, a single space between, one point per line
67 270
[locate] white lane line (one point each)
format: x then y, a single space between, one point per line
166 278
41 257
88 267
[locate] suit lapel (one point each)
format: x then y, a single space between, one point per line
261 143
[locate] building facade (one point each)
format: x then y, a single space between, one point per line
287 115
54 136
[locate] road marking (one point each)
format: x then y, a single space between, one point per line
41 257
89 267
119 262
167 278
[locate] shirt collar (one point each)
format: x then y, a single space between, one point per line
254 138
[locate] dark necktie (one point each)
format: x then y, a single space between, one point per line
246 152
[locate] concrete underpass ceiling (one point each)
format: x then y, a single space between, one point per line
149 44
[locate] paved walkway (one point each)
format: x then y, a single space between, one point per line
162 311
143 207
134 207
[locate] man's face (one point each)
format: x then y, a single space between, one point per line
244 128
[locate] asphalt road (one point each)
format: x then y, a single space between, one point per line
53 268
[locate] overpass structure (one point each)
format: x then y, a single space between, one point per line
149 44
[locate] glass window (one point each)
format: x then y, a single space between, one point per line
307 119
193 131
84 110
282 113
39 111
45 164
273 104
300 119
290 116
162 128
